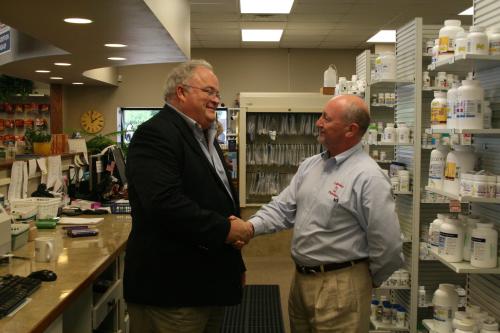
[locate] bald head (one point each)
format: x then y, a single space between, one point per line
354 110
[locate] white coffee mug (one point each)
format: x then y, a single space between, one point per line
44 249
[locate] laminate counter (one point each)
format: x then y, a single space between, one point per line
78 262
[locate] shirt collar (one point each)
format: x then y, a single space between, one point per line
193 124
342 156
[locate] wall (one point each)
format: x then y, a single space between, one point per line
267 70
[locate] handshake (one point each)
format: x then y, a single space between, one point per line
240 233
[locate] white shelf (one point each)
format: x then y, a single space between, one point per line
403 192
466 62
462 198
429 324
393 288
384 161
465 266
381 326
390 144
434 89
387 82
462 131
389 106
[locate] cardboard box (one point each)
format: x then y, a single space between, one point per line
327 90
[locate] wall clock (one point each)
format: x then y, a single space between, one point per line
92 121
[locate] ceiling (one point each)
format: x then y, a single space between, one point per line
325 24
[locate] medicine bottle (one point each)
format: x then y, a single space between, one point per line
401 317
390 133
372 134
435 51
458 316
434 231
445 302
404 180
386 64
459 160
387 312
451 240
421 297
490 325
440 80
484 242
452 101
477 41
460 43
494 40
479 186
439 110
447 36
437 166
470 99
373 309
465 326
491 186
472 221
403 133
426 80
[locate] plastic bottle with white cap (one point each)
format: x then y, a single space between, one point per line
484 248
445 302
451 240
447 38
494 40
477 41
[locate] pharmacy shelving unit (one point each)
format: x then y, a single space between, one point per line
482 285
279 106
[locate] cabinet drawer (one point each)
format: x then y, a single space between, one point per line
106 303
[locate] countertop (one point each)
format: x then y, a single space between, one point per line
77 264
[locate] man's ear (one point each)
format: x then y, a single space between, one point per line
179 92
353 130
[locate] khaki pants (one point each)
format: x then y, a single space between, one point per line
153 319
335 301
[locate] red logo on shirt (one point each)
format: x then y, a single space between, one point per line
333 192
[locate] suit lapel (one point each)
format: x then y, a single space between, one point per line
188 135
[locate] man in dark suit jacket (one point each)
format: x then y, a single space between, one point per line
180 269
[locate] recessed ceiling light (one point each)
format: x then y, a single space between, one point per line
468 11
117 58
62 64
261 35
42 71
383 36
56 78
77 83
77 20
115 45
266 6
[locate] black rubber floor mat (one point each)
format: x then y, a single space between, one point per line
259 311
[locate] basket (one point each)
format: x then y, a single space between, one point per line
47 208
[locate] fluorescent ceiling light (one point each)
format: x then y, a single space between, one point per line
117 58
261 35
383 36
77 83
468 11
42 71
77 20
115 45
266 6
56 78
62 64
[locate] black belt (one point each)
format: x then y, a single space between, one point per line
327 267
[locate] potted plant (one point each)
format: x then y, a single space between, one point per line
39 139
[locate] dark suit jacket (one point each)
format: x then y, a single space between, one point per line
176 255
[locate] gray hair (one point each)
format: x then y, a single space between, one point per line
181 73
354 113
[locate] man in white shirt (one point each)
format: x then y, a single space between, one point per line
346 232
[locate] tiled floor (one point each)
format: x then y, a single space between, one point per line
272 270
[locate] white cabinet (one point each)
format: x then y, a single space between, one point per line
276 132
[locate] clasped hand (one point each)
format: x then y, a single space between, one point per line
240 233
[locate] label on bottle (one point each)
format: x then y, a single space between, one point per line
495 47
479 249
446 44
439 113
450 173
448 243
442 313
470 109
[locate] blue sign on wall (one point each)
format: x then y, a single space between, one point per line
4 40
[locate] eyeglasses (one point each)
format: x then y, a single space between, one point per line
209 91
